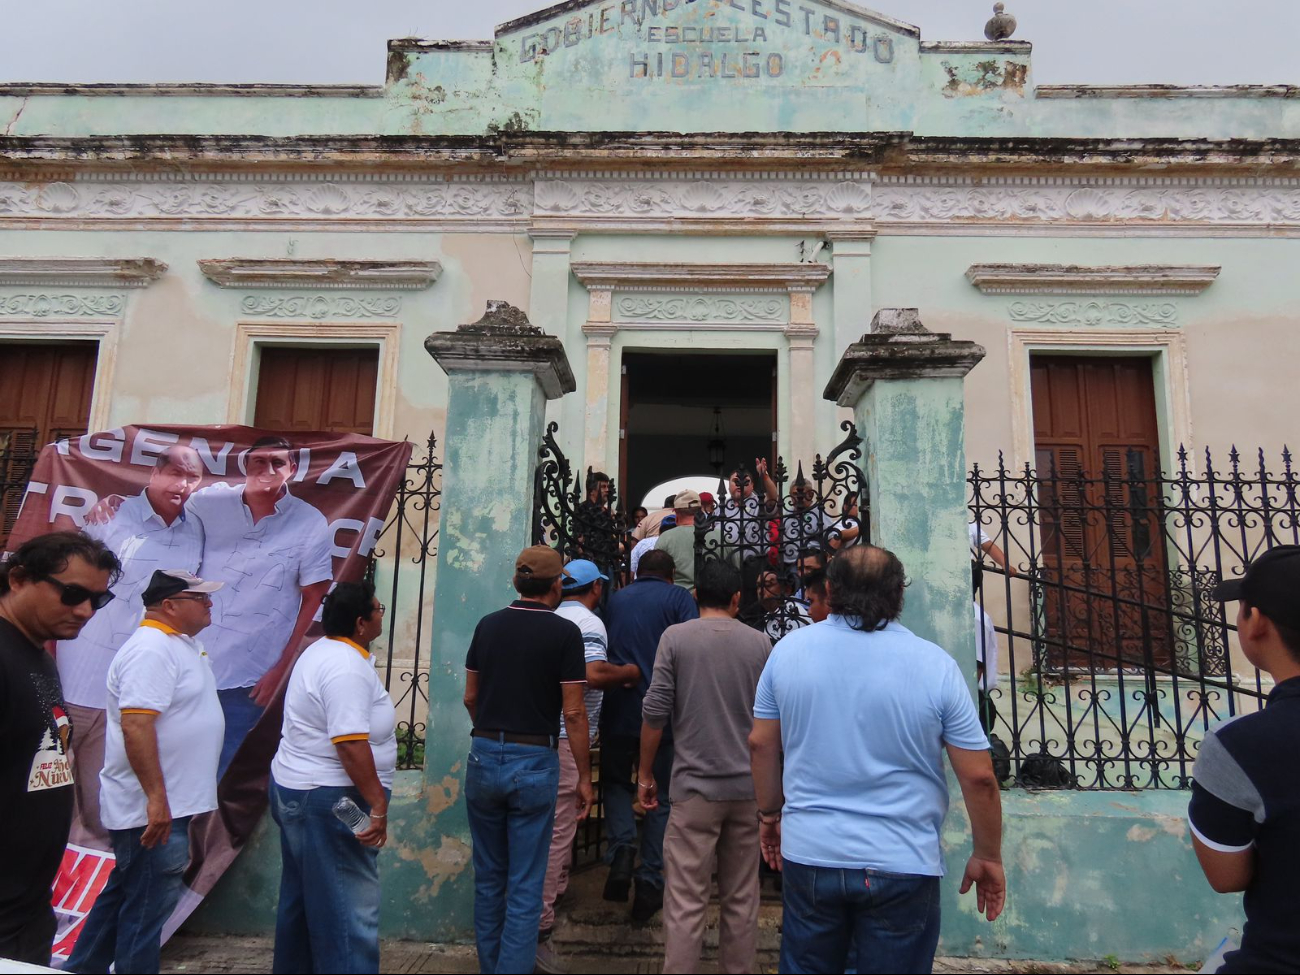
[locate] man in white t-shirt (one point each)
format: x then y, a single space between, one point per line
149 531
583 588
160 769
272 552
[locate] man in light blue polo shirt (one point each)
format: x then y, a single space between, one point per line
863 709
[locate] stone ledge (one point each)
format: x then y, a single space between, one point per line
236 272
1136 279
81 272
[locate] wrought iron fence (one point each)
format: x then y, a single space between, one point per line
778 530
1098 585
19 448
402 570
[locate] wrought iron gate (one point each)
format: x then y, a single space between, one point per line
775 528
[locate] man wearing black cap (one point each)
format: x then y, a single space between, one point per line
524 667
1245 807
165 729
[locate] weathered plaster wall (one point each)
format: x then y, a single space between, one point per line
1079 869
711 65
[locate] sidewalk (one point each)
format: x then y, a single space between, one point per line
186 955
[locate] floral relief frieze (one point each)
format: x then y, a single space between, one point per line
161 199
1044 203
1095 312
700 308
776 198
320 307
62 305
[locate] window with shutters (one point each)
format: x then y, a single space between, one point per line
322 387
1097 446
45 395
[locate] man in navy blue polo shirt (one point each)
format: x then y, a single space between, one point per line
637 617
1245 807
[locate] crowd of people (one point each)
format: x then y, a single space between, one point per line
815 747
166 730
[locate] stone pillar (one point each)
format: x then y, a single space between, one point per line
599 332
851 258
548 305
904 385
801 334
501 371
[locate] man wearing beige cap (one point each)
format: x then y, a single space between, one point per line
163 742
679 542
524 667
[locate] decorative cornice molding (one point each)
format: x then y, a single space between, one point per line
320 307
81 272
618 276
62 306
977 47
1102 313
324 273
564 203
1140 279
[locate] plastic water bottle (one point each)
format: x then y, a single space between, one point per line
351 816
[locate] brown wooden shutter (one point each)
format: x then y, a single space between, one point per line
318 388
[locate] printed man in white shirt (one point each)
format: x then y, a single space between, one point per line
149 531
272 552
160 769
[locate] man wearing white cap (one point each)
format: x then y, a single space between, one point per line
165 730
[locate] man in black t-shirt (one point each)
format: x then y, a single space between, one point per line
1245 807
49 590
524 666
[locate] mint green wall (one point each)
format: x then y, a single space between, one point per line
1079 869
839 71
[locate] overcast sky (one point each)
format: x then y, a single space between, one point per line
341 41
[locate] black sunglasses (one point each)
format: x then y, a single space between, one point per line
74 595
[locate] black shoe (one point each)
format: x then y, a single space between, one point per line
620 875
647 902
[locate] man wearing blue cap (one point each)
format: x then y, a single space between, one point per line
582 590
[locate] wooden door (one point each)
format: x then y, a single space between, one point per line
317 388
45 395
1105 600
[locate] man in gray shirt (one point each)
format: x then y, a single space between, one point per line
705 675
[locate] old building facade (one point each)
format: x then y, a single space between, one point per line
705 200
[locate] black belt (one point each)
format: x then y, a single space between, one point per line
510 738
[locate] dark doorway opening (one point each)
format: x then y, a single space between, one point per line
693 414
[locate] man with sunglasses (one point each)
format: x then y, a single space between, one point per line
160 770
49 588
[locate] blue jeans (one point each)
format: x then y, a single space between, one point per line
241 714
328 918
125 925
510 792
618 755
891 920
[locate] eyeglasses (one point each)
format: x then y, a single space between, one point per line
202 597
71 594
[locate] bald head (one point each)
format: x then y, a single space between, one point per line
866 586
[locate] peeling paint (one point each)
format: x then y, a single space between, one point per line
442 796
982 77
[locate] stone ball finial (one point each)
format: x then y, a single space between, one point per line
1001 25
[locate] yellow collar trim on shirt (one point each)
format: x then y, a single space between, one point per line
356 646
155 624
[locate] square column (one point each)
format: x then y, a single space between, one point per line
904 384
501 371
